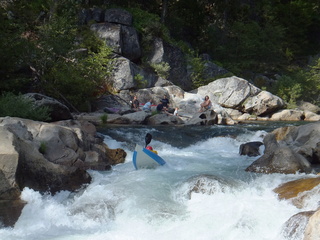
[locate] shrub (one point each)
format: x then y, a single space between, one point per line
43 147
162 69
289 89
141 81
18 106
104 118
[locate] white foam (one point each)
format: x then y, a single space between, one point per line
153 204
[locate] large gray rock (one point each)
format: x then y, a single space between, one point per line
302 139
10 211
136 117
123 40
228 92
211 70
279 159
58 111
48 157
9 159
98 14
118 15
250 149
288 115
311 116
294 227
312 228
85 15
163 52
164 119
208 117
130 43
110 33
263 103
306 106
125 76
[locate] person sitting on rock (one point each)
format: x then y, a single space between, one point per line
206 104
165 102
175 113
160 107
147 106
135 104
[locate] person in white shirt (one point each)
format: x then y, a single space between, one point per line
175 113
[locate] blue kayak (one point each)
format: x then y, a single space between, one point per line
144 158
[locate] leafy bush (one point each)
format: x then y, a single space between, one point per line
162 69
197 65
104 118
148 24
43 147
312 82
289 89
141 81
18 106
79 80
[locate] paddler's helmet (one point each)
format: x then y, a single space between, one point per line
149 148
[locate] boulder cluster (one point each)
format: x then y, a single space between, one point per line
48 157
289 150
234 99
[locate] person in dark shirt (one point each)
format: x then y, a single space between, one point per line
160 107
135 104
165 102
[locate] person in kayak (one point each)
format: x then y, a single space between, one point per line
151 149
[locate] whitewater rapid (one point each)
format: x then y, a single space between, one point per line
162 204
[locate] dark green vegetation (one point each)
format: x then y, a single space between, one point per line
18 106
40 42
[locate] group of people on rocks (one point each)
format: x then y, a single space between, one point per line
163 105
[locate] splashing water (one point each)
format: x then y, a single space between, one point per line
203 192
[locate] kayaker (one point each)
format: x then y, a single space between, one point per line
151 149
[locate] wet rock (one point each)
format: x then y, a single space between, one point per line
293 188
250 149
279 159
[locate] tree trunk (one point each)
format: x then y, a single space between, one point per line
164 10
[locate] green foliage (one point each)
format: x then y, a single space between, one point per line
312 82
18 106
104 118
13 45
162 69
300 84
39 41
197 65
141 82
149 25
79 81
43 147
46 49
142 19
247 45
289 89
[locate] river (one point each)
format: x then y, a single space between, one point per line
203 192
